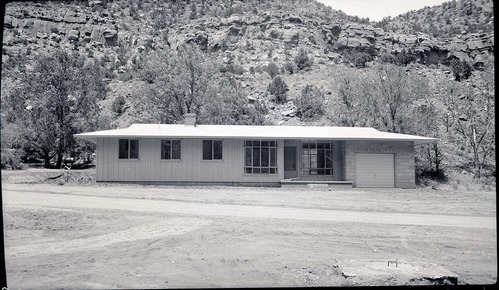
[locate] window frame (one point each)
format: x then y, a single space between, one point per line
271 168
212 149
128 149
306 155
170 150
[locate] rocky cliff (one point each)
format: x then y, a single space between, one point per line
95 30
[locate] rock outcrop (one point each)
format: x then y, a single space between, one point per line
428 50
271 33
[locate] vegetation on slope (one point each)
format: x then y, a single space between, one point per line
450 19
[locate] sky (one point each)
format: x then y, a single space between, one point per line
377 9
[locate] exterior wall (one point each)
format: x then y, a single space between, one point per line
342 153
190 168
404 159
337 166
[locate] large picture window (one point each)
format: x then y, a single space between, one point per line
170 149
128 149
260 157
317 158
212 150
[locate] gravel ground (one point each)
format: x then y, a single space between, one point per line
132 236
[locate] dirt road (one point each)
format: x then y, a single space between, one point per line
103 236
49 199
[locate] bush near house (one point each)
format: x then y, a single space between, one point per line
11 159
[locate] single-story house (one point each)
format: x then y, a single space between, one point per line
255 155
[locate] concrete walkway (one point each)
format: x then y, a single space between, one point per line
41 199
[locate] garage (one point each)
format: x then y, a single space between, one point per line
374 170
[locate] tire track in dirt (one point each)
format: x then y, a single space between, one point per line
175 226
144 205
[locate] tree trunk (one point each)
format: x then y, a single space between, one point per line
46 158
59 161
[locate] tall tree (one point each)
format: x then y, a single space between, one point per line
181 83
397 91
59 100
472 110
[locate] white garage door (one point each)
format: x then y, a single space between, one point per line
374 170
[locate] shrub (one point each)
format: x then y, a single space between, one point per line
273 70
279 89
404 58
118 104
302 60
11 159
358 58
289 67
310 103
149 75
461 69
430 176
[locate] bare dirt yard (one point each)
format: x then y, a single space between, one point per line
87 235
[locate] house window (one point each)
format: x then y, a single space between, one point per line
128 149
212 150
317 158
260 157
170 149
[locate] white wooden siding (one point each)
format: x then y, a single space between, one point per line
374 170
191 167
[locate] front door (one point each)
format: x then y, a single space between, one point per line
290 170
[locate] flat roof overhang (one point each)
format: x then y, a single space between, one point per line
169 131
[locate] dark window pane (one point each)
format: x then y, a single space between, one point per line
123 146
248 170
272 170
256 157
329 159
265 143
134 149
273 157
247 157
217 150
256 143
327 145
329 172
207 149
312 145
256 170
273 144
306 145
247 143
165 149
176 149
265 157
320 145
321 162
265 170
321 171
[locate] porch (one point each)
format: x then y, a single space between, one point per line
317 162
296 183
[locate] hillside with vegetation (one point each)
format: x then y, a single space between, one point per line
70 67
453 18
